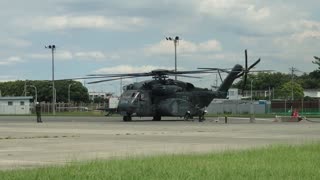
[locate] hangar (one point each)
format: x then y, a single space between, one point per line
15 105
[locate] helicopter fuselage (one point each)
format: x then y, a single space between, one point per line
167 97
158 98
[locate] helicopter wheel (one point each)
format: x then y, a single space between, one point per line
187 116
127 118
156 118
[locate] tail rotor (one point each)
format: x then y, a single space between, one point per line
246 70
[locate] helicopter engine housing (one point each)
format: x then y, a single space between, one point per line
174 107
164 90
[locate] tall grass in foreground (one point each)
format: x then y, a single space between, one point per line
275 162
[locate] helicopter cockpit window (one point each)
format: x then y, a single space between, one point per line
189 86
135 96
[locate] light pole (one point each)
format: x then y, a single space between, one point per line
175 42
36 92
252 118
53 47
251 90
69 92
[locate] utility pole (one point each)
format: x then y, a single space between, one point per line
252 118
69 100
292 69
36 93
25 88
175 42
53 47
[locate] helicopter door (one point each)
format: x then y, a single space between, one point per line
144 102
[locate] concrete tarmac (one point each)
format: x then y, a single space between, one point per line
59 140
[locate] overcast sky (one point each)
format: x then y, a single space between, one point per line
116 36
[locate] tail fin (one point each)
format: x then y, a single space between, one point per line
225 86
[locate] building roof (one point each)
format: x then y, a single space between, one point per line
16 98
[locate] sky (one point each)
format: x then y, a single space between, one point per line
121 36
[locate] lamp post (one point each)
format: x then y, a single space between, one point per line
53 47
252 118
69 92
36 92
175 42
251 89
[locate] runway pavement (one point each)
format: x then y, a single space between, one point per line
59 140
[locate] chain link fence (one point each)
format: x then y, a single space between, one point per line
280 107
285 107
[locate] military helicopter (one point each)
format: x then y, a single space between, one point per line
163 96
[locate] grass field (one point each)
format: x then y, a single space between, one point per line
273 162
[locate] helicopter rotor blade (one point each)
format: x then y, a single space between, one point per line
240 74
244 82
120 75
254 64
220 76
180 75
246 60
113 79
216 69
245 71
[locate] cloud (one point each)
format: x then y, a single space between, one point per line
90 55
81 55
257 14
184 47
50 23
305 30
239 9
14 42
60 55
128 69
11 60
7 78
306 35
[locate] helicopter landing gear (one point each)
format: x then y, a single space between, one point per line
187 116
201 116
127 118
156 118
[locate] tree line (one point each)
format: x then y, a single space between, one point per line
282 84
78 93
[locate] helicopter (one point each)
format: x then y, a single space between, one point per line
162 96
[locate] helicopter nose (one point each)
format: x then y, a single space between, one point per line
126 107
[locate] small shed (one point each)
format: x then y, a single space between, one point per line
15 105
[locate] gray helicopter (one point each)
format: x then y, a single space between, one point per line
163 96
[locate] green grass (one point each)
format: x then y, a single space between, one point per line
275 162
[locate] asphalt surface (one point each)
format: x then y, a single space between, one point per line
59 140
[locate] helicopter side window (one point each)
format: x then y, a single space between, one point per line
141 97
189 86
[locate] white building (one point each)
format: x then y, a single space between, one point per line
312 93
233 94
103 95
15 105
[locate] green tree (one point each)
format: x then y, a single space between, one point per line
78 93
264 81
286 90
317 62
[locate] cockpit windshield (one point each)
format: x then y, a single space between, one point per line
131 95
